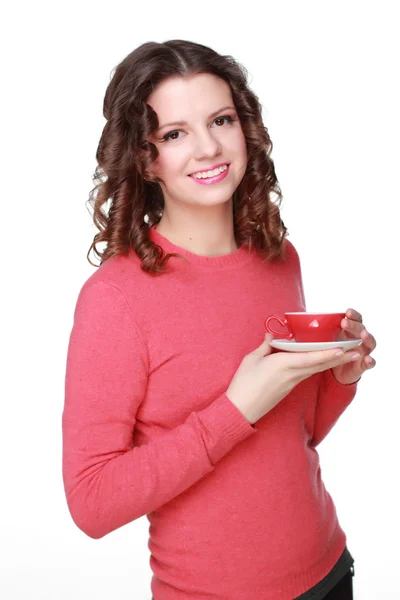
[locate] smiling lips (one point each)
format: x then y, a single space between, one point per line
209 172
213 168
211 176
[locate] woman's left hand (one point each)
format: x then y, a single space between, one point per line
353 328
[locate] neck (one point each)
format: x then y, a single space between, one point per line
202 234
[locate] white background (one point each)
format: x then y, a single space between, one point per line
327 76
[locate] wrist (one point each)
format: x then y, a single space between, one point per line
344 382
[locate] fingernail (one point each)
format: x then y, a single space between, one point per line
354 356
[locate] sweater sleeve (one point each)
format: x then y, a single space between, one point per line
108 481
333 399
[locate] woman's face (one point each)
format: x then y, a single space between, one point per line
209 133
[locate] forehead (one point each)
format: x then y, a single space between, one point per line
178 98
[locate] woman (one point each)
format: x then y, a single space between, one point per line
176 406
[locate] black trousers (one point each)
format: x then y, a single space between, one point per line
342 590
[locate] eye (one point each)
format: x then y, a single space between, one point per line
225 118
167 136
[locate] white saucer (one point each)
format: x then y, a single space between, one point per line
293 346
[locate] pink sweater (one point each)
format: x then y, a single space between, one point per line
235 511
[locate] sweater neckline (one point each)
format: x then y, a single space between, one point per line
239 256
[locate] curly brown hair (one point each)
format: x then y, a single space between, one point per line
124 156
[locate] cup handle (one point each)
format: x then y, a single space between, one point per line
277 334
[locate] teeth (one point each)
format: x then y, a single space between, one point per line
205 174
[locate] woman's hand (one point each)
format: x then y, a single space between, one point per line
264 378
353 328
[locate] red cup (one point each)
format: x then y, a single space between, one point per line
308 327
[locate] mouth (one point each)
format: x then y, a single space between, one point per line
211 175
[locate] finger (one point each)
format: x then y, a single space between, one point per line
353 314
358 330
368 340
369 362
352 326
347 357
320 358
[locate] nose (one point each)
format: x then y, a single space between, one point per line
206 145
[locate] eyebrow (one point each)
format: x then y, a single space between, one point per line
181 123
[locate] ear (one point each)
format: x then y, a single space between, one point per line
148 176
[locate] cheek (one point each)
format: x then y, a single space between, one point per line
170 164
241 144
240 151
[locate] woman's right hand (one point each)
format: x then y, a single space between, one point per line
264 378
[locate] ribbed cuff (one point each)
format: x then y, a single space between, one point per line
223 426
335 382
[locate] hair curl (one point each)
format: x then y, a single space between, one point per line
124 156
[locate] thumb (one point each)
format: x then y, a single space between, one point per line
264 349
